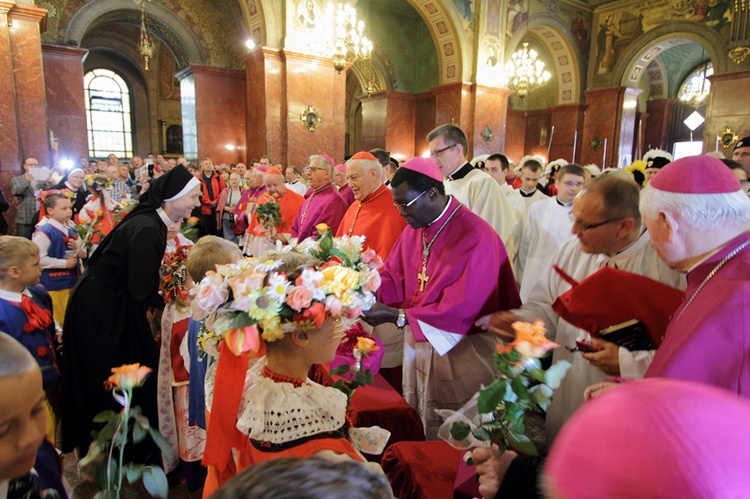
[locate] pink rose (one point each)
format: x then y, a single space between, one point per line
353 312
210 297
372 281
245 283
299 297
334 306
372 259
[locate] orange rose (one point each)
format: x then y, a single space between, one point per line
299 297
366 345
128 376
530 339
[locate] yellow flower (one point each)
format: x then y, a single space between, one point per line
339 280
366 345
271 329
322 228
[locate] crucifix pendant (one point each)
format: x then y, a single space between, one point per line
423 278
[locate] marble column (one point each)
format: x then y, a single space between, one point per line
213 113
66 106
489 120
388 122
728 109
610 115
26 25
281 86
567 119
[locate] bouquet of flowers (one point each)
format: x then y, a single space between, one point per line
240 299
357 360
88 232
269 215
174 275
495 414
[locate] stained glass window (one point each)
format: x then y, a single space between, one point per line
108 117
696 86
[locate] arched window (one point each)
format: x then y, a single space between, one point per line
108 115
696 86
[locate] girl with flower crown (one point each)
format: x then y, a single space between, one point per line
296 306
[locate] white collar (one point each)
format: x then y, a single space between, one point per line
163 215
450 198
13 297
57 225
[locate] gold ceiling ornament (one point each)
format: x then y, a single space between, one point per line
145 45
349 41
310 118
524 72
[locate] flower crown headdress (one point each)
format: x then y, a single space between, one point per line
252 300
42 195
97 181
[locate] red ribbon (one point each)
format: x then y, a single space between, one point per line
222 432
37 317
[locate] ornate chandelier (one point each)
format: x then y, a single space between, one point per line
524 72
349 41
145 45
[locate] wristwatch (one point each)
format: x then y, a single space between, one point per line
401 320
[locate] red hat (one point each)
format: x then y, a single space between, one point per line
425 166
341 168
696 175
273 171
364 155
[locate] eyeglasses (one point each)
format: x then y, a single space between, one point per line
314 168
573 183
403 206
584 227
441 151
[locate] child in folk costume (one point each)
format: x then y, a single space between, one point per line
57 240
284 309
99 210
26 315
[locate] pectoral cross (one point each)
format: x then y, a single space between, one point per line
423 278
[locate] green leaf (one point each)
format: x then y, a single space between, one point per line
522 443
133 472
460 430
482 434
155 482
343 368
139 433
105 416
538 375
556 373
326 244
164 447
143 422
106 433
101 473
520 389
490 397
95 448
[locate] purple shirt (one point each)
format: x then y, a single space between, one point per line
708 341
324 205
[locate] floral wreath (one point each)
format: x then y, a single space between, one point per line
42 195
249 300
98 181
174 274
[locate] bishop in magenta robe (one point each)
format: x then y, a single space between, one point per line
323 205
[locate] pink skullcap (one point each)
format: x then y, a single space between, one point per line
696 175
327 158
364 155
425 166
262 168
341 168
656 438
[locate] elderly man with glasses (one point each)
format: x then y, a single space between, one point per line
323 203
608 232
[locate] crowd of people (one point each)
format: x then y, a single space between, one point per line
220 279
